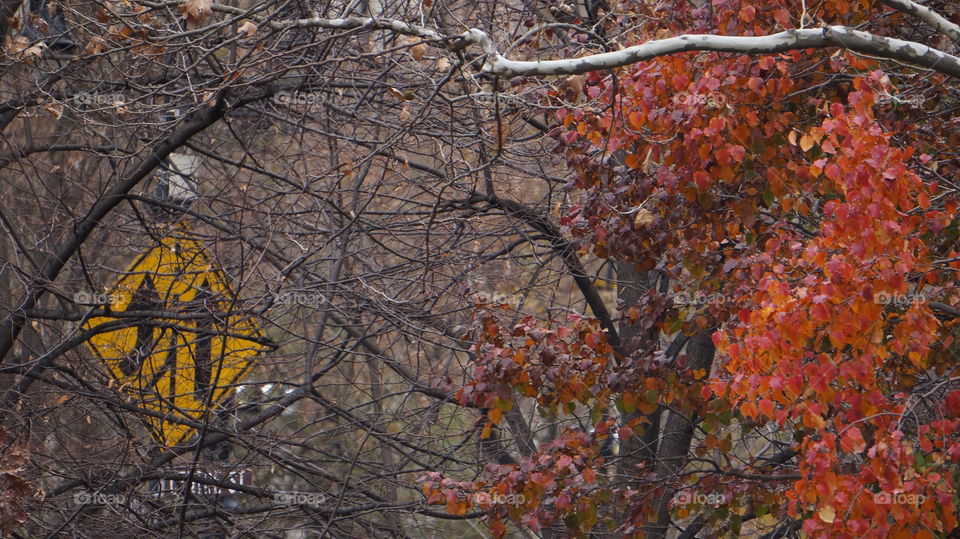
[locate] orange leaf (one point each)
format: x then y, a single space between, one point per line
588 475
767 408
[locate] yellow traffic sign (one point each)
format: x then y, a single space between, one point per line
188 352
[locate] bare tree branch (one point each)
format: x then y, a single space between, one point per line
927 15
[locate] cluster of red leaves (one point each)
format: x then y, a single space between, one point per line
559 366
559 484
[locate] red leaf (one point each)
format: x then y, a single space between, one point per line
852 441
702 179
820 312
953 402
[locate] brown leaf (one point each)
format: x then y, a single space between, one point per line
418 50
573 87
55 109
196 10
20 48
119 32
96 45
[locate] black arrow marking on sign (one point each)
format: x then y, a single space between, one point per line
203 360
145 298
168 368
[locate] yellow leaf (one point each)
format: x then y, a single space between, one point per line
495 415
827 514
643 218
806 142
916 359
792 138
247 28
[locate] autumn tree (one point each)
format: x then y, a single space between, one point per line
440 187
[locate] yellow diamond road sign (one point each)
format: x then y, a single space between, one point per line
180 364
